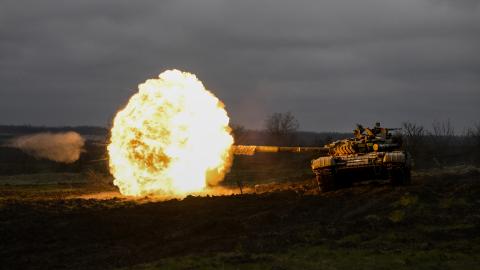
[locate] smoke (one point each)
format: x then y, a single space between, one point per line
60 147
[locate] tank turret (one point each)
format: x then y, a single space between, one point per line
365 140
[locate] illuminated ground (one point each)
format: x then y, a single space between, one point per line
72 223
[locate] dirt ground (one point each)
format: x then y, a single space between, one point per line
432 224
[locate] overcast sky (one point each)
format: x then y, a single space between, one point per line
332 63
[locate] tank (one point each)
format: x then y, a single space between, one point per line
373 153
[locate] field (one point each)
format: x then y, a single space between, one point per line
80 221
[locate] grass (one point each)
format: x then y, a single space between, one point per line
42 179
322 257
432 224
267 168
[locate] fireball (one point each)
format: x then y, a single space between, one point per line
172 138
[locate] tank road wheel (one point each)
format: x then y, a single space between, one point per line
343 182
400 176
408 176
325 181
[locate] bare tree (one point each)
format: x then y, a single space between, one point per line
473 140
474 133
441 138
411 130
239 133
443 129
413 139
281 128
443 135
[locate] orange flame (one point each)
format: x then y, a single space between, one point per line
172 138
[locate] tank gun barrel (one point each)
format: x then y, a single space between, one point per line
252 149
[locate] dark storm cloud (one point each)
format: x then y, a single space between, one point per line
332 63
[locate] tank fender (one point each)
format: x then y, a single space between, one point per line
394 157
323 162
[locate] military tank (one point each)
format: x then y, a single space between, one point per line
371 154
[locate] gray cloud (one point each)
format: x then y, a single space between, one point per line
332 63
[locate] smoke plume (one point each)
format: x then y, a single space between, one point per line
60 147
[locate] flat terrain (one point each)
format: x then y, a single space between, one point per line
79 224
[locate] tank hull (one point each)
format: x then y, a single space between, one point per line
341 171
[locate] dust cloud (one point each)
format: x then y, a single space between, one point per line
60 147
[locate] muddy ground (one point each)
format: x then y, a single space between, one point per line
432 224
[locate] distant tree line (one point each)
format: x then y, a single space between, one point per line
28 129
441 146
